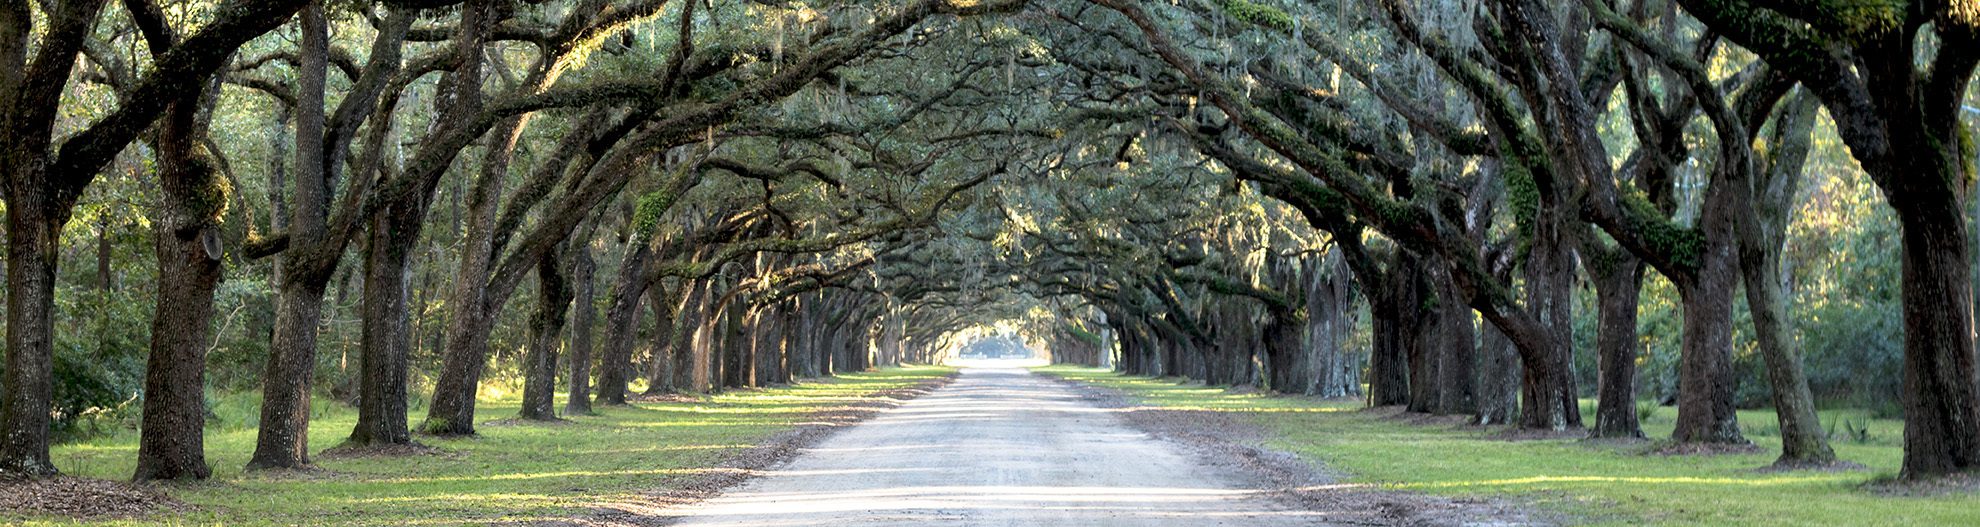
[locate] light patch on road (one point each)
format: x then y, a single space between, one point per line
999 446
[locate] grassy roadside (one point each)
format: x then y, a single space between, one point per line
512 472
1590 484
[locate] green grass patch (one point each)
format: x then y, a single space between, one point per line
1588 483
512 472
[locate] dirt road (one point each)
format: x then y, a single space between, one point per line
999 446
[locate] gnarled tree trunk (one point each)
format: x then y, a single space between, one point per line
546 327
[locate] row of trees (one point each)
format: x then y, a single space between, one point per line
1502 149
681 130
683 196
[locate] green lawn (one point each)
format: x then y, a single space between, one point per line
512 472
1587 483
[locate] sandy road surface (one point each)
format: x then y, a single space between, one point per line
999 446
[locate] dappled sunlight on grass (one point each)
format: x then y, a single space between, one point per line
513 471
1590 482
1744 482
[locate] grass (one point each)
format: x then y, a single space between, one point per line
1587 483
511 472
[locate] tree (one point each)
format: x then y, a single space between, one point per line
43 181
1901 122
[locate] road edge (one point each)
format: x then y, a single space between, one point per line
739 467
1221 439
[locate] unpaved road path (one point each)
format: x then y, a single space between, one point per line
999 446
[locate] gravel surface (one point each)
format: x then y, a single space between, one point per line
1005 447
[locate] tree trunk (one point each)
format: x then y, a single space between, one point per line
1328 306
1393 319
659 371
1292 370
1498 378
1549 398
1705 401
463 359
1941 399
1456 353
172 443
621 326
582 269
283 438
738 367
1425 349
703 370
386 343
1618 284
1761 237
34 232
546 331
681 350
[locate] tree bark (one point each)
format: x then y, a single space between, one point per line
1498 378
582 268
34 231
686 323
1328 304
386 340
1549 398
659 373
1705 403
1942 408
1762 233
465 355
283 438
546 331
1456 353
172 440
1618 284
1394 316
622 325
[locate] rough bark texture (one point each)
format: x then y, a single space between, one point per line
1498 378
31 256
546 327
1705 372
621 326
283 438
582 319
1393 308
465 355
1456 353
386 339
1942 408
659 371
171 444
1762 235
1618 283
1549 399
